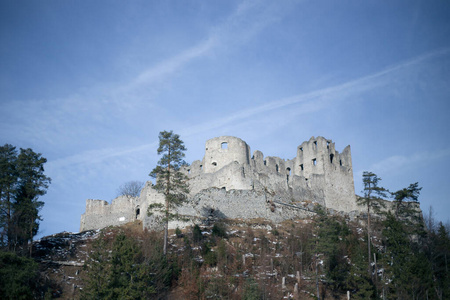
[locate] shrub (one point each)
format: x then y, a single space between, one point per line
178 232
219 230
197 234
18 276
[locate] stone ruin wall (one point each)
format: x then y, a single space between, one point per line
100 213
229 182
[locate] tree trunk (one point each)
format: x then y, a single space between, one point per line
317 281
368 239
166 226
8 220
166 232
31 237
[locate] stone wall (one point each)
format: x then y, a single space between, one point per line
100 214
230 183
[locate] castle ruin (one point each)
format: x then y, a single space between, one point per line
230 183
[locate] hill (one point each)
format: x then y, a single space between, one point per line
251 259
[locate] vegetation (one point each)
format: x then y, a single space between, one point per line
130 189
170 181
410 194
22 182
129 270
323 257
18 277
373 201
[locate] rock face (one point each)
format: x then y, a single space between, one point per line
230 183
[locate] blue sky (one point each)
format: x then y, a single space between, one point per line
90 84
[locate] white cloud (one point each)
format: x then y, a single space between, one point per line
306 103
315 100
248 19
402 163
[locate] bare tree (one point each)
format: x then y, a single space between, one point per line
130 189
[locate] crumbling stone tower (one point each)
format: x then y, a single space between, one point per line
317 160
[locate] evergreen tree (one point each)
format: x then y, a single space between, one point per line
410 193
406 266
31 185
372 201
332 243
440 261
358 282
170 181
18 277
22 182
99 271
8 183
118 270
130 277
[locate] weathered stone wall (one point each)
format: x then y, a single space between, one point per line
100 214
229 182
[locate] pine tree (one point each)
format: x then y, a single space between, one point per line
32 184
410 193
441 261
373 201
22 182
8 183
170 181
406 265
19 277
117 269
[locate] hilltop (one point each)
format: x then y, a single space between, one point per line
252 259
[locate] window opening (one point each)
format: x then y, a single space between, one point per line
288 171
224 145
214 164
189 171
138 212
328 145
315 145
340 162
331 158
201 167
276 167
314 161
301 148
301 167
265 163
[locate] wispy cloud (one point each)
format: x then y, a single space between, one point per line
306 103
248 19
397 163
168 67
318 99
99 155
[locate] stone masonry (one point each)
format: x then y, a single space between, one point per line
229 183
